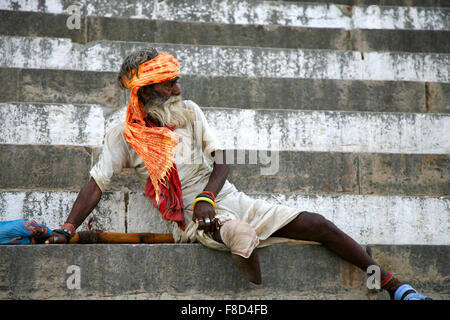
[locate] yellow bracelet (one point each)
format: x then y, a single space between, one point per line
204 199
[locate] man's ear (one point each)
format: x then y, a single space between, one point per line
146 93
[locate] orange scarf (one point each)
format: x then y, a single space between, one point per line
154 145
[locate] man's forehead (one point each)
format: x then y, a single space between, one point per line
164 83
170 82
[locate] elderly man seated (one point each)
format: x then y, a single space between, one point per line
160 133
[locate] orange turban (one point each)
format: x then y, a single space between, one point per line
154 145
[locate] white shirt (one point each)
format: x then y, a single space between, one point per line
195 164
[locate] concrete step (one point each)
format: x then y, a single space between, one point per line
45 168
94 87
296 14
337 131
163 31
60 53
275 130
52 124
52 208
368 219
402 3
49 272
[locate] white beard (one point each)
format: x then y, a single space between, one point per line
169 112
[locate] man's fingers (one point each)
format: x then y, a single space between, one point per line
216 225
210 224
207 224
201 224
50 240
213 224
55 238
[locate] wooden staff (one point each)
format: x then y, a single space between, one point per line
86 237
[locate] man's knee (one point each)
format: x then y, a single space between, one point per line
315 224
239 236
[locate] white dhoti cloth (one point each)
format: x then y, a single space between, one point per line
264 217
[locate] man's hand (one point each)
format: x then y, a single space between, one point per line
56 238
202 212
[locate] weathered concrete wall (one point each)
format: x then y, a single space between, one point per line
52 208
240 61
349 100
48 124
117 28
100 88
289 271
255 12
368 219
278 130
46 167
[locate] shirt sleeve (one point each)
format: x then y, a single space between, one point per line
113 159
210 141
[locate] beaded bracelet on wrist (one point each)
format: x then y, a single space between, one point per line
204 198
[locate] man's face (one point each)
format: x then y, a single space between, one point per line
163 90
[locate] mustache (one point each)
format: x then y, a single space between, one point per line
169 111
162 103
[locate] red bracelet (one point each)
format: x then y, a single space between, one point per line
210 193
386 280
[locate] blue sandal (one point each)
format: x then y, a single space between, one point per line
410 296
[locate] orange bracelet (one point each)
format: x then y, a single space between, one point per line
69 227
209 193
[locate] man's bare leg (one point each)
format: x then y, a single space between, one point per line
314 227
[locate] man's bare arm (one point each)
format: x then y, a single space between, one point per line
219 174
86 201
215 183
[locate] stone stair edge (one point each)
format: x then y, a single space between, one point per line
26 69
368 219
193 45
254 7
351 65
38 85
113 263
402 3
223 109
275 196
98 28
388 132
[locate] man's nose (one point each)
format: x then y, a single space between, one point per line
176 91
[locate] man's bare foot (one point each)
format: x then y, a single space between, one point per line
249 268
